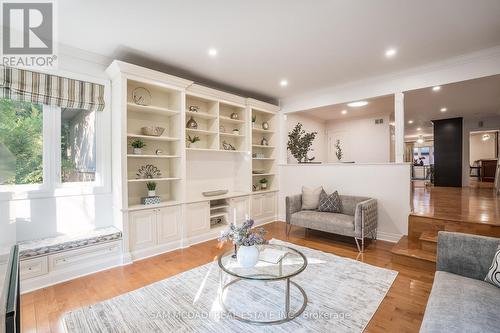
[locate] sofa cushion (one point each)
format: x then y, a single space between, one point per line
310 197
330 202
461 304
51 245
330 222
493 275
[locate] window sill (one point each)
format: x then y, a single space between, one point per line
63 191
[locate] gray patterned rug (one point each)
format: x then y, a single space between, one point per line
343 296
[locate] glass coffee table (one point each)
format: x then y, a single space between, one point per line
292 264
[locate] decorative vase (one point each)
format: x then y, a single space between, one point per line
152 193
264 142
192 124
253 124
137 151
236 132
247 256
265 125
263 186
234 115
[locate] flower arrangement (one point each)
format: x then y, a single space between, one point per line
243 235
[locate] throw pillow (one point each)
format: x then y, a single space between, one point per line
493 275
330 202
310 197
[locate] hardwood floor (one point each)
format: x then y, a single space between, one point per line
467 204
401 310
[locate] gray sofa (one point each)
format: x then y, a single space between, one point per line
460 300
358 218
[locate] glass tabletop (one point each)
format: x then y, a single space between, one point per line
292 263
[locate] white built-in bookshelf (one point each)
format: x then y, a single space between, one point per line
230 154
263 144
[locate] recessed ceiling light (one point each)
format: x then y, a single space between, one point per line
410 121
389 53
283 83
212 52
344 111
357 104
443 109
436 88
419 129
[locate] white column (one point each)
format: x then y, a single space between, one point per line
399 130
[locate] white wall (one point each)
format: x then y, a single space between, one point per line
362 140
472 125
49 214
310 124
388 183
482 149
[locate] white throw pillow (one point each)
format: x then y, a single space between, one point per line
493 275
310 197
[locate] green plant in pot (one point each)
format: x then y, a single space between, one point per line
192 141
151 186
263 183
138 144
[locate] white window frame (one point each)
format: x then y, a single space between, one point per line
52 185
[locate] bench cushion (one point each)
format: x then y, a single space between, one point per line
41 247
461 304
329 222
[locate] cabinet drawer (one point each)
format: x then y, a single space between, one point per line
87 255
33 267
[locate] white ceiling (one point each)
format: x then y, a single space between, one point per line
469 99
312 44
377 105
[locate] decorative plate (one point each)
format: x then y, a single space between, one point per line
141 96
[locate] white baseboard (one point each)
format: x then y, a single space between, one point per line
155 250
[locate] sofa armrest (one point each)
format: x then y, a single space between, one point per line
365 218
293 205
464 254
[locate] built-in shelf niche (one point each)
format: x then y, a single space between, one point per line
163 109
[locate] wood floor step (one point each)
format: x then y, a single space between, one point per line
409 253
428 241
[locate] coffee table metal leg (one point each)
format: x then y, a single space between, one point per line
287 299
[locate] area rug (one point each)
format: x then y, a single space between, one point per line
343 294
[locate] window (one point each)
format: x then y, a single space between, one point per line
21 143
78 145
44 147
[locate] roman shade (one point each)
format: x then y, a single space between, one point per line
40 88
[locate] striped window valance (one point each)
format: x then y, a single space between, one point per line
40 88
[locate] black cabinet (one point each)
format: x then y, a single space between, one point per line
448 141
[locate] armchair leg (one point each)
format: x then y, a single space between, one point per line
288 228
357 244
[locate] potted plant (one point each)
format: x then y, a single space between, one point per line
263 183
191 141
254 119
245 240
138 144
151 189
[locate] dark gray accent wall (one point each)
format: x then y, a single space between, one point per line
448 137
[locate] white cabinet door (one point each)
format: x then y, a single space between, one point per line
142 229
197 218
240 205
269 205
256 206
168 223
